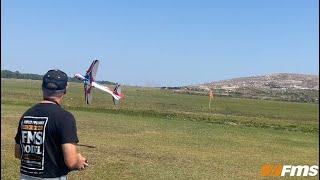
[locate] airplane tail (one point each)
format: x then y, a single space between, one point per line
117 92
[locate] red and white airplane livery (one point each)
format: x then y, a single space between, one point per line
89 82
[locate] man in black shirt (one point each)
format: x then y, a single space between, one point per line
47 134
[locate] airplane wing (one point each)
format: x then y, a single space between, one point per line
106 89
92 71
87 93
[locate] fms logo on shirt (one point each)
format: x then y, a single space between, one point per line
32 143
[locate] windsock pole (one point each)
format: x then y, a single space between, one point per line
210 97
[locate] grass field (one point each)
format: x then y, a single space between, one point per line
157 134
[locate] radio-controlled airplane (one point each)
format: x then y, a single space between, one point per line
89 82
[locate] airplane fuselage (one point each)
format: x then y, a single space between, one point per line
84 79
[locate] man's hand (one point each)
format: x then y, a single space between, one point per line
82 162
73 160
17 151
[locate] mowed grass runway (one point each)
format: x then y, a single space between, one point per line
157 134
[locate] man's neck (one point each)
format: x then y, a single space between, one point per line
56 101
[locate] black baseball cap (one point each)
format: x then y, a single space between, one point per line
55 81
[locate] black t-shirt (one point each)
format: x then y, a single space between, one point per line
42 129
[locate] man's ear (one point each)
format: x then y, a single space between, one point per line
65 90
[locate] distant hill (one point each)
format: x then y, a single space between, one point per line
279 86
18 75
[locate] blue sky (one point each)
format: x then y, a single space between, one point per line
163 42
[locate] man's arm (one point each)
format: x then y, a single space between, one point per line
17 152
73 160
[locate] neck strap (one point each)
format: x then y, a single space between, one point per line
51 100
